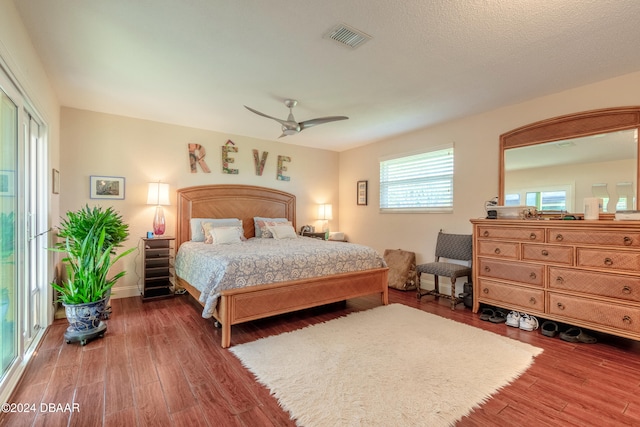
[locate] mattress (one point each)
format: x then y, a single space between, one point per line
214 268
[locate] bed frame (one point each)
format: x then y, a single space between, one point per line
256 302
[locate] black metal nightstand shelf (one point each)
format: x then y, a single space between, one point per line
157 270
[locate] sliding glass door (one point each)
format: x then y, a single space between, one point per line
23 231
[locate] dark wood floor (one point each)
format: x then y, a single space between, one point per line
160 364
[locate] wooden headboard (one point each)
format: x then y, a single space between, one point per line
231 201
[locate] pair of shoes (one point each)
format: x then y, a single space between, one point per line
528 323
513 319
549 328
576 335
499 316
486 314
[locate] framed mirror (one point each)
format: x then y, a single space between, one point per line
555 164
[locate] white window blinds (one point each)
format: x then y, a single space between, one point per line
421 182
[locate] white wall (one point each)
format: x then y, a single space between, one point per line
476 140
143 151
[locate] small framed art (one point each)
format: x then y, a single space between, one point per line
106 187
7 183
362 193
55 181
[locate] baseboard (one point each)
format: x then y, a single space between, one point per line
125 292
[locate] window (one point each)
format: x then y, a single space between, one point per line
548 200
418 183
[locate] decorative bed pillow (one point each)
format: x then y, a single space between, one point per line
225 235
282 231
258 223
208 226
197 232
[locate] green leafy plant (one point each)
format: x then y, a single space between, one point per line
90 239
78 225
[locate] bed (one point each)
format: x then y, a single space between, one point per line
240 305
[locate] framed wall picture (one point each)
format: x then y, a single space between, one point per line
106 187
7 183
55 181
362 193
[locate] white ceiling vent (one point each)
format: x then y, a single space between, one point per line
347 36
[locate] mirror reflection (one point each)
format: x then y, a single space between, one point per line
559 175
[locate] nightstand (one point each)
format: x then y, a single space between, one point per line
157 268
320 236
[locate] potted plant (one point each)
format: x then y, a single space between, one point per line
90 238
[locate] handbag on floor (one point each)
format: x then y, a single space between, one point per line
402 269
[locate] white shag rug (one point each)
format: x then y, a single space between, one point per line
389 366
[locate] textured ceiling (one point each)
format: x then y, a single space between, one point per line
197 62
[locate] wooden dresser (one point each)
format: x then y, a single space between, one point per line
584 273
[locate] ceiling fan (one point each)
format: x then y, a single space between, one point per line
291 126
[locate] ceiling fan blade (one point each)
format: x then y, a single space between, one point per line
319 121
282 122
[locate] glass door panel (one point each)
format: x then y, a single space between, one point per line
9 258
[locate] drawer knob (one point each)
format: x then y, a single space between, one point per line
627 241
485 290
560 306
608 261
532 276
626 290
559 237
559 279
532 236
486 233
532 300
627 320
497 251
487 268
545 252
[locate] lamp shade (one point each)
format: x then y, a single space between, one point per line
158 194
325 211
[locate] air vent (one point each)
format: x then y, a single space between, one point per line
347 36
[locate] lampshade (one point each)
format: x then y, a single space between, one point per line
325 212
158 194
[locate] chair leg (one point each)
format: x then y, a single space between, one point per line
454 298
419 274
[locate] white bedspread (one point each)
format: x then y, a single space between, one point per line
214 268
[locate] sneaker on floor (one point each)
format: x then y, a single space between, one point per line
528 323
513 319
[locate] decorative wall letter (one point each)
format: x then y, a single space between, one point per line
196 155
282 168
259 163
227 148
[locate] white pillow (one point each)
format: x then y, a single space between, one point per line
258 228
208 226
197 233
225 235
283 231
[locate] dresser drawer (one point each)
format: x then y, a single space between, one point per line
616 316
498 249
521 234
548 253
610 260
527 299
620 238
531 274
600 284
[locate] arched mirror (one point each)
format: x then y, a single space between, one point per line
555 164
